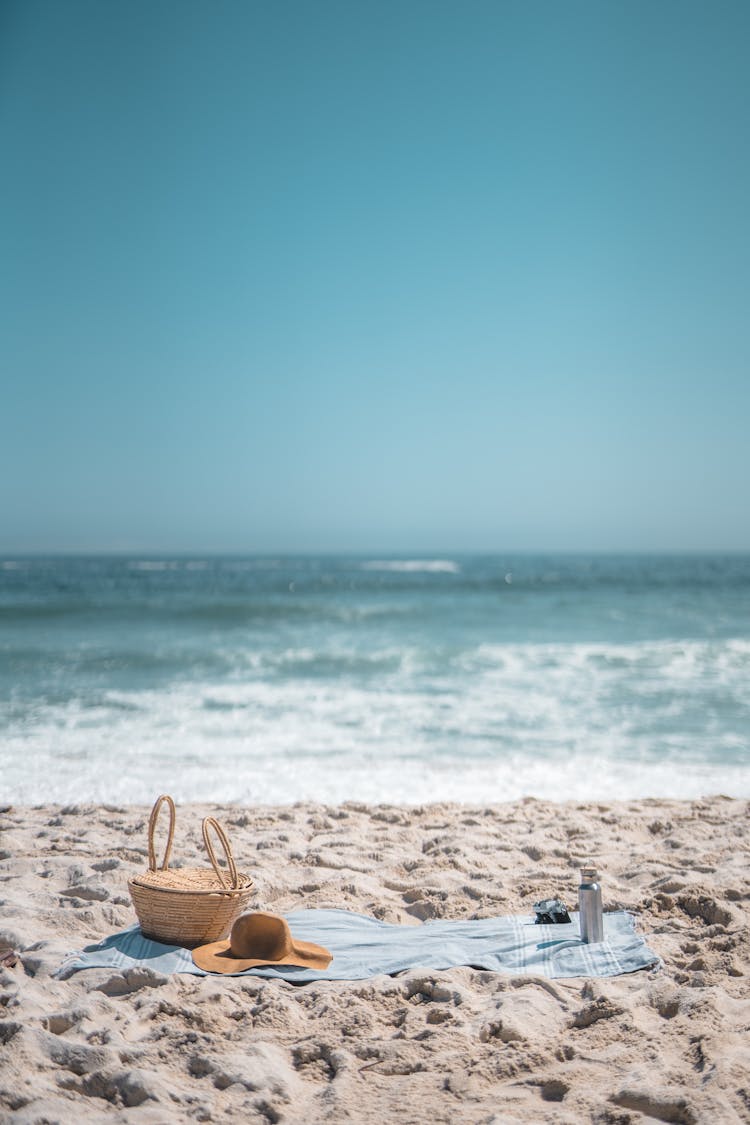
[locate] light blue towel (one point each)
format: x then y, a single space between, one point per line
364 947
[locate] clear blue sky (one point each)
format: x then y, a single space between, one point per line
390 276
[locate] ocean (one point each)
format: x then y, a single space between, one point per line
377 679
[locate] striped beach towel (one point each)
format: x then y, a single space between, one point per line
365 947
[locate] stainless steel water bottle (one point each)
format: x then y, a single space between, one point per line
590 914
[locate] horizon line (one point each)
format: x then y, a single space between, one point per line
385 553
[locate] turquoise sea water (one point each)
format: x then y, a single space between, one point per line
378 679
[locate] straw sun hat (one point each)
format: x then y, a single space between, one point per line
260 939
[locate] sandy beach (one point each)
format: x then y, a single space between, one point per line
670 1044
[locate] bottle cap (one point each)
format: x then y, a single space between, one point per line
588 872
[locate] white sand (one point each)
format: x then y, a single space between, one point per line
455 1046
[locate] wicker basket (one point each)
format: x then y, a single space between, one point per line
188 906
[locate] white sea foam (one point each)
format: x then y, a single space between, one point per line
153 564
218 763
579 721
413 566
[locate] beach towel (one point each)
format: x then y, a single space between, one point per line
365 947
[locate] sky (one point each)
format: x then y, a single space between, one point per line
395 276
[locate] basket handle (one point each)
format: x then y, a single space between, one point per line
211 822
152 827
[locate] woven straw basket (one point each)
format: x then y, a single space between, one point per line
188 906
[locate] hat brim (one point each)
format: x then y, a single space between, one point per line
217 958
